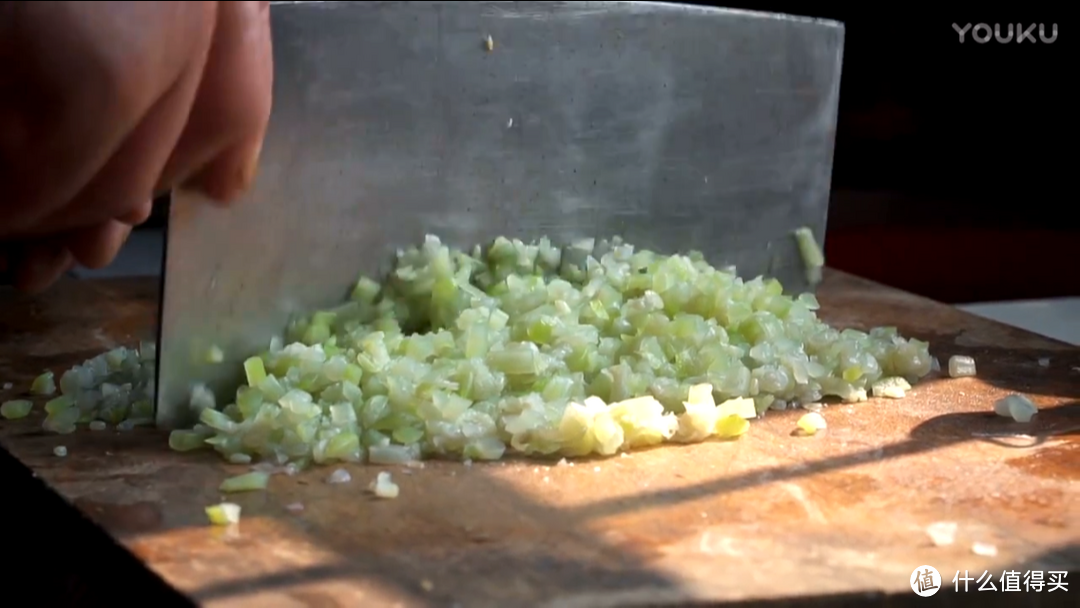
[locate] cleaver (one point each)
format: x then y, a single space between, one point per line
676 127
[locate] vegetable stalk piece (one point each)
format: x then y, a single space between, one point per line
961 366
223 514
248 482
44 384
16 408
811 423
1017 407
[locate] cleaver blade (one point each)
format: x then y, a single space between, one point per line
673 126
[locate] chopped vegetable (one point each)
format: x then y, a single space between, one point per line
1044 361
383 486
941 533
489 43
812 423
528 348
961 366
60 451
248 482
295 507
8 386
215 355
339 476
984 549
98 425
223 514
892 388
1017 407
44 384
17 408
813 258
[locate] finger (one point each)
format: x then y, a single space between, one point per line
39 265
138 215
219 149
97 246
78 79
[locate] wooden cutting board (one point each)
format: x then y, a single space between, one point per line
770 516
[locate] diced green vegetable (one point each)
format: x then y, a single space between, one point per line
44 384
811 423
16 408
248 482
961 366
521 347
223 514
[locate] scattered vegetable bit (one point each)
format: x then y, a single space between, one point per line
383 486
942 533
8 386
223 514
60 451
339 476
98 425
489 43
892 388
44 384
248 482
215 355
811 423
984 549
961 366
295 507
15 409
1017 407
935 365
1044 361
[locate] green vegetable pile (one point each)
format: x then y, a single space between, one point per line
590 349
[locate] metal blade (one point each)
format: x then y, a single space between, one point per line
676 127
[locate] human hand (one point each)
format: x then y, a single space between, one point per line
104 104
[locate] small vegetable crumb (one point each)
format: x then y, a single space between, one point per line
942 533
891 388
339 476
44 384
1017 407
223 514
18 408
935 365
248 482
961 366
215 355
60 451
295 507
489 43
984 549
562 462
8 386
97 425
812 423
427 585
1044 361
383 486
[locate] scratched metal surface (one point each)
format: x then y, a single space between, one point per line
769 517
673 126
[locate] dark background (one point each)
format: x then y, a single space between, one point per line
953 166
